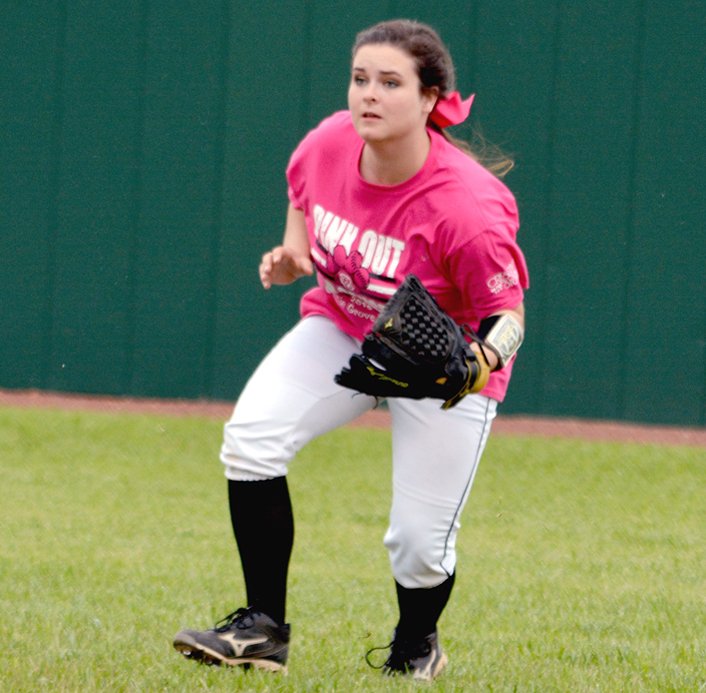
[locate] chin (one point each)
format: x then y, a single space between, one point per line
370 134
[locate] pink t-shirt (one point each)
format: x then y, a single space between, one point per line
453 224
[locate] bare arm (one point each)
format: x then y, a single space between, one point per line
288 262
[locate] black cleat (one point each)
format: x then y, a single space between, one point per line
421 659
244 638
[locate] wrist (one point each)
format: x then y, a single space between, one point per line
501 335
489 356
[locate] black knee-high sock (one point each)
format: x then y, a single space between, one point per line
263 524
421 608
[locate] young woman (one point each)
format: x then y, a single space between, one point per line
375 192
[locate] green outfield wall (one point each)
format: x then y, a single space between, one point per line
143 153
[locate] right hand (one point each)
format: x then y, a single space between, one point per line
282 265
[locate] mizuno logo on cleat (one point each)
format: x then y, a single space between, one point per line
239 646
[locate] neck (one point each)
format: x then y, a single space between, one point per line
392 163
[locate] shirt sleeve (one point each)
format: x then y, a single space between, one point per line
491 272
296 175
310 155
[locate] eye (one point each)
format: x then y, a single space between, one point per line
391 84
358 80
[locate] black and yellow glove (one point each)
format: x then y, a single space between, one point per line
416 350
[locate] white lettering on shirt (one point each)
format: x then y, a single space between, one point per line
381 254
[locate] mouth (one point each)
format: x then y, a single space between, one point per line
369 115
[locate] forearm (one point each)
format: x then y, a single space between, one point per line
500 339
296 238
288 262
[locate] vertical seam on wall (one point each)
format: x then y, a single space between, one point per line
703 380
472 64
56 160
208 377
539 403
638 67
304 90
137 198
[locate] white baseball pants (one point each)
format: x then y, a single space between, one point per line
292 398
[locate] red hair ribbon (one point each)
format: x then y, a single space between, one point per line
450 110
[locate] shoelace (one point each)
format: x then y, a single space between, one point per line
240 618
376 649
401 654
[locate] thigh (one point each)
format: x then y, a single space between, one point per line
435 451
290 399
435 458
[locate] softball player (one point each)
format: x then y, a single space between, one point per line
375 192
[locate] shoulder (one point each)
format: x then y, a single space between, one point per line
338 121
474 200
322 153
469 176
336 130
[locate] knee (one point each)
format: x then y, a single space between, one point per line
419 556
251 453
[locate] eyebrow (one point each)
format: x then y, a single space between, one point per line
382 72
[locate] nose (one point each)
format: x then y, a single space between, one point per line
370 93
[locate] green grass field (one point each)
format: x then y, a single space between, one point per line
582 566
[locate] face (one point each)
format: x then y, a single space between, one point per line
385 97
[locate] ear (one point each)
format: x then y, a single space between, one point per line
430 95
